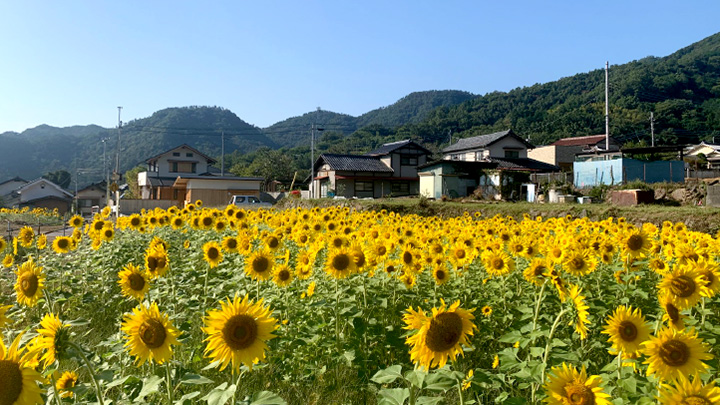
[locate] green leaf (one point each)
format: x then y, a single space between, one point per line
429 400
394 396
349 356
629 384
388 375
220 394
416 377
185 399
267 398
150 386
194 379
515 401
117 382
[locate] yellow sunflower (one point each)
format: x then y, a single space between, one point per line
149 334
581 309
26 236
675 353
685 286
76 221
213 253
3 244
340 263
259 265
568 386
41 242
8 260
157 262
30 283
67 380
238 332
282 276
486 311
440 274
62 244
579 262
230 244
53 337
497 263
627 329
19 384
709 274
4 320
309 292
440 336
672 314
635 244
133 282
536 271
684 392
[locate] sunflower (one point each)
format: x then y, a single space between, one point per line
108 234
26 236
135 222
675 353
709 274
177 222
213 253
282 276
486 311
133 282
19 384
672 314
579 262
440 274
683 392
149 334
230 244
41 242
497 263
156 261
4 320
259 265
8 260
536 271
62 244
309 292
53 337
30 283
3 244
76 221
238 332
635 244
340 263
568 386
627 329
581 309
440 336
67 380
685 286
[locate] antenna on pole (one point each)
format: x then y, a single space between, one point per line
607 108
652 129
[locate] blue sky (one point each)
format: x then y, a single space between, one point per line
73 62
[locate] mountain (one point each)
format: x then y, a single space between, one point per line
412 108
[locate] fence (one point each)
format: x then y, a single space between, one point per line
545 178
703 174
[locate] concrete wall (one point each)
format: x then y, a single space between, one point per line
590 174
712 198
498 148
544 154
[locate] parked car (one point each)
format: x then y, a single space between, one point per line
248 201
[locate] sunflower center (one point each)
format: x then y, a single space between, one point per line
444 332
152 263
273 242
161 263
695 400
683 286
135 221
539 270
341 262
460 253
674 353
407 257
337 242
635 242
579 394
240 332
232 243
628 331
137 282
440 274
498 263
381 250
11 382
672 312
707 277
207 221
284 275
577 263
62 243
152 333
260 264
29 284
359 258
303 238
213 253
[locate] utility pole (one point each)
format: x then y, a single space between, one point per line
652 129
607 107
106 172
311 188
222 154
116 175
449 136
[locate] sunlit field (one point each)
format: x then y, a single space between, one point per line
334 306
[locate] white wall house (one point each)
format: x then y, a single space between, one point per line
184 160
505 144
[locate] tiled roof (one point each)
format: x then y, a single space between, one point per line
390 147
524 164
482 141
579 140
355 163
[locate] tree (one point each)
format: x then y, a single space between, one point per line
133 190
60 177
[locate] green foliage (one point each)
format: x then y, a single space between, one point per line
60 177
130 176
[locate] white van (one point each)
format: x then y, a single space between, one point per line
245 200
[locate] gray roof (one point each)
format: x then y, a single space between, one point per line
354 163
482 141
390 147
524 164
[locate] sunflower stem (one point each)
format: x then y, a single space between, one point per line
237 385
168 376
549 342
91 370
54 385
702 318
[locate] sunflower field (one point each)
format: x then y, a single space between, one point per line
335 306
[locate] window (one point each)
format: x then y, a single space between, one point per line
176 153
363 186
182 167
189 155
173 167
408 160
400 188
455 156
512 153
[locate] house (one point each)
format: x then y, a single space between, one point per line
565 151
43 193
7 188
703 156
184 174
93 195
622 170
163 169
495 166
388 170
